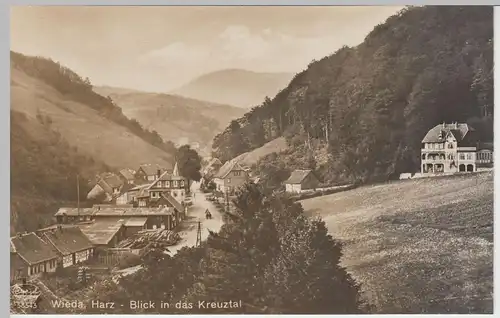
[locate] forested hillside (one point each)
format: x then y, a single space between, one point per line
361 112
43 170
176 118
61 128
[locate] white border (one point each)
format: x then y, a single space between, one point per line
4 62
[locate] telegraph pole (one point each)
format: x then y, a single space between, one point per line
198 235
78 195
227 201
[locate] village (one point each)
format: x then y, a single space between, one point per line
156 207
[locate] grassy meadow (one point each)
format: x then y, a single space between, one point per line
417 246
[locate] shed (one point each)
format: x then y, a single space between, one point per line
301 180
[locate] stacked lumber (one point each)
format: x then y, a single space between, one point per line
159 238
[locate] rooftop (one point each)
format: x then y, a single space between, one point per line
229 166
68 240
461 132
74 211
101 232
32 248
298 176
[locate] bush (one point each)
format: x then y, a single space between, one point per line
129 260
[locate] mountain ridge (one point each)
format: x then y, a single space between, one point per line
237 87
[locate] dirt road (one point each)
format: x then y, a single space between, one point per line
195 214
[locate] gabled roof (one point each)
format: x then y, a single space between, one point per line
298 176
32 248
173 201
136 221
459 131
167 176
229 166
101 232
151 169
128 174
68 240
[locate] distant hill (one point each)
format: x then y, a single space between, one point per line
175 118
236 87
61 128
360 114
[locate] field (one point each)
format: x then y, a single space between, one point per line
417 246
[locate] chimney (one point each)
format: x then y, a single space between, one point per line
444 125
59 227
158 174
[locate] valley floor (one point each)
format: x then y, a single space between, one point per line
417 246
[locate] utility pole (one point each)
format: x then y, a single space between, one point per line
227 201
78 195
198 235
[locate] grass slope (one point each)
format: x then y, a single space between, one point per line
252 157
175 118
417 246
81 125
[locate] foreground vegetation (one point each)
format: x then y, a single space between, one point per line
269 255
417 246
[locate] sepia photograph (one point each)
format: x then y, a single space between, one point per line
251 160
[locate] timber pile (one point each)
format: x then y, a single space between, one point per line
158 238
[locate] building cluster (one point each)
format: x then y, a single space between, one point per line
147 199
47 249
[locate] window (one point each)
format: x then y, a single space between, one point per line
450 146
461 156
469 156
154 194
167 184
182 183
175 184
237 173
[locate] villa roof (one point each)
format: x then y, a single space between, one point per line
462 132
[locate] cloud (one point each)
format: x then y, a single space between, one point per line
238 47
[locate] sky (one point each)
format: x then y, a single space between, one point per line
161 48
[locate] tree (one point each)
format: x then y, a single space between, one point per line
189 163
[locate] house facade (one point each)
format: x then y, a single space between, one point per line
31 256
70 243
450 148
172 183
230 177
108 186
484 154
127 176
300 181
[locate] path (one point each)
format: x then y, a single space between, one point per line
196 213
